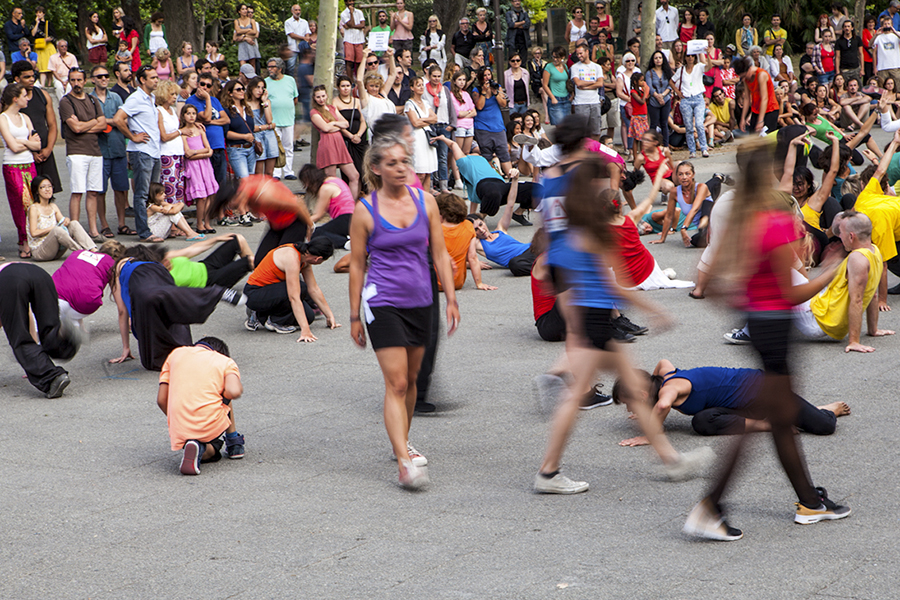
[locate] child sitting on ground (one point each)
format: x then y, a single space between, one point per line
196 386
161 215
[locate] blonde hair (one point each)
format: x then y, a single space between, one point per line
376 153
164 89
162 52
374 78
435 17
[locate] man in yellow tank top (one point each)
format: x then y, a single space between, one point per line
838 309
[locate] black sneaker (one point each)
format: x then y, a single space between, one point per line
894 291
521 220
595 398
58 385
423 407
623 323
827 511
620 335
245 220
233 297
290 177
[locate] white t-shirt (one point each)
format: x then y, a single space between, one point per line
667 31
887 46
297 27
690 84
589 72
353 36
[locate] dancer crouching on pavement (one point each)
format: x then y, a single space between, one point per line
397 225
28 287
160 312
764 233
281 287
196 386
82 278
580 253
721 401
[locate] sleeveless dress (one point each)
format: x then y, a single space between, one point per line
424 155
266 138
200 181
171 160
165 73
357 151
247 51
332 150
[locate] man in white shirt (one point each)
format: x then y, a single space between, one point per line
353 23
588 79
667 23
886 53
297 31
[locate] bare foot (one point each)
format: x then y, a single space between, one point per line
838 408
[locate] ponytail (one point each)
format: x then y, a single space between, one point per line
318 246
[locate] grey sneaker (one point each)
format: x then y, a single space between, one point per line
558 484
252 323
549 390
233 297
737 337
706 521
280 328
413 477
522 138
690 464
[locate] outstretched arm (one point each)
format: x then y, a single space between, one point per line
198 248
817 200
475 266
886 158
861 134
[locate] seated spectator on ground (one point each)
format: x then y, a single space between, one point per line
856 106
721 401
162 216
196 387
486 187
459 237
722 108
837 311
50 234
500 247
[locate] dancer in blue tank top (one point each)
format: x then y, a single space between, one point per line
720 402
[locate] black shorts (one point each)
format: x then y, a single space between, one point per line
598 327
399 327
551 326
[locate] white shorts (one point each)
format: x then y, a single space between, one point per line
85 173
67 312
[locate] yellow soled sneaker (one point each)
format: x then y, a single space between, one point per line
827 511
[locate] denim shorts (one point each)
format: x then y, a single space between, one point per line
115 170
826 78
463 132
269 143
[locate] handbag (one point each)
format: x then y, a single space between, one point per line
41 43
281 161
430 132
709 80
605 104
570 85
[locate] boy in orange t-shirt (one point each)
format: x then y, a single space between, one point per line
459 237
196 386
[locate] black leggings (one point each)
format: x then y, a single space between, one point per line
776 403
337 230
222 268
727 421
494 193
162 312
551 325
521 265
295 232
272 302
25 286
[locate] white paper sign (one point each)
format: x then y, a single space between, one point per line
378 40
696 46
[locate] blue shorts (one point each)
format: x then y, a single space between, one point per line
825 79
115 170
269 143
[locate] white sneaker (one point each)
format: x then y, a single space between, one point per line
706 522
458 185
413 477
559 484
690 464
414 455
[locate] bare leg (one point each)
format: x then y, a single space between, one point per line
202 207
702 281
75 207
350 171
505 166
400 366
182 224
121 200
91 207
425 180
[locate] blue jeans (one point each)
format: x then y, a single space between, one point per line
145 171
243 161
442 151
219 162
519 108
626 125
558 111
290 64
692 109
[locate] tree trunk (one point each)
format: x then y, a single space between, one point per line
181 26
859 14
324 70
449 13
132 8
648 29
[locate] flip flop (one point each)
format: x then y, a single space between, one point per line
196 238
23 254
691 294
125 230
107 233
151 240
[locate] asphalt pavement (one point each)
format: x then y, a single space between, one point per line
93 505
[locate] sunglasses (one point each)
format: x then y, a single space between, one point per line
237 89
102 75
371 63
206 85
515 60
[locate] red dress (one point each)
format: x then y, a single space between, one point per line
135 54
332 150
686 33
635 261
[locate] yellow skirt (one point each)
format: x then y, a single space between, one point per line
44 55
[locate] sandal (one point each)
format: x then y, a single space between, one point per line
691 294
107 233
24 253
151 240
125 230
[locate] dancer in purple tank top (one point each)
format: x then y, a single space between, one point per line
397 225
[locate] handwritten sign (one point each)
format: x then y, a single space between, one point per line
378 41
697 46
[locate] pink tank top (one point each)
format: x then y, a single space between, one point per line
164 72
343 203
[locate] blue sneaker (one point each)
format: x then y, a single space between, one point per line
234 446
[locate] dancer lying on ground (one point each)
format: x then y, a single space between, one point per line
720 401
498 246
